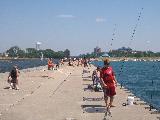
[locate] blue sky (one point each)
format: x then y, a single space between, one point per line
80 25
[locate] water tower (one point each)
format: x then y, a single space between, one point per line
38 45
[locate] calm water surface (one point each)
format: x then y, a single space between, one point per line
6 65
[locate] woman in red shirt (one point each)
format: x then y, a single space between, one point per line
109 83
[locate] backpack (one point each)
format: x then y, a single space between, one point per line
14 73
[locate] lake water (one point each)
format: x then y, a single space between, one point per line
141 77
6 65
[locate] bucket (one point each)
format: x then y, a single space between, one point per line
130 100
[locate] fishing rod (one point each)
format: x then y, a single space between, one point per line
113 35
153 92
130 41
113 38
153 86
134 30
154 65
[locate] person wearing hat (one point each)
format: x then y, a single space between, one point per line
109 83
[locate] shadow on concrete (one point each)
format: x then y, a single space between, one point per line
92 89
6 88
88 89
93 99
93 108
87 79
85 84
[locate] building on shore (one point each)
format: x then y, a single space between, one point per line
97 50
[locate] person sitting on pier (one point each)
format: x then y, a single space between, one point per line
57 64
62 61
70 63
50 64
96 79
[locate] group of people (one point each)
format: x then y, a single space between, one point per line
79 62
106 78
14 73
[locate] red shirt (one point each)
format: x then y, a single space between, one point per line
50 63
107 75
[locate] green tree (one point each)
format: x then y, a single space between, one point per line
21 53
13 51
31 53
48 53
60 54
67 53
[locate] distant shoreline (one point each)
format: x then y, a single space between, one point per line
8 58
131 59
134 59
111 58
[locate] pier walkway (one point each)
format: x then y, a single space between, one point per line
63 95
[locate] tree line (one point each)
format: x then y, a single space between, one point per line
16 51
123 53
135 54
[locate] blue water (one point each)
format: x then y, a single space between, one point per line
6 65
142 78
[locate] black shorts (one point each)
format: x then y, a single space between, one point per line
14 80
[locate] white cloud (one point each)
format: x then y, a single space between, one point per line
65 16
100 19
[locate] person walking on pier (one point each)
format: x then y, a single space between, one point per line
109 83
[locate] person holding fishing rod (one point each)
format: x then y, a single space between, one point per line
109 83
